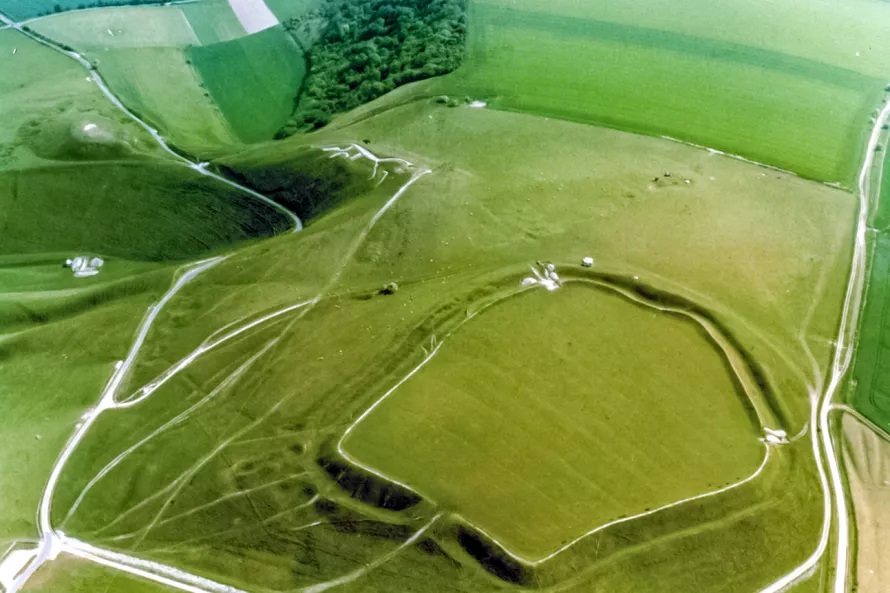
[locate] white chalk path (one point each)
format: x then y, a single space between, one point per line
372 565
822 402
178 419
178 158
50 543
53 542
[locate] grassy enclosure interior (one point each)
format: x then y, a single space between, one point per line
534 423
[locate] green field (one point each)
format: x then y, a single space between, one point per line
114 27
45 99
520 188
51 324
74 575
262 455
871 371
28 9
254 80
143 78
537 427
213 21
794 112
126 209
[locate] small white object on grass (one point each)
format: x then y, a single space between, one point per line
587 262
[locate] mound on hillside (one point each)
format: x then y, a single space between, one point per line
77 137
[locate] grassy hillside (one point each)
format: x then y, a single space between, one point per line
263 411
132 210
794 112
254 80
69 332
69 574
45 101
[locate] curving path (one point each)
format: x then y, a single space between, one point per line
201 168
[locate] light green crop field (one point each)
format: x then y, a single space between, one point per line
565 61
126 26
254 80
213 21
143 78
856 28
534 423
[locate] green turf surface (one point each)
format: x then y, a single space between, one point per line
254 80
126 209
63 345
163 88
871 370
46 99
129 26
70 574
790 111
537 427
213 21
853 26
518 189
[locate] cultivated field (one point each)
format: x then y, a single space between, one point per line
871 394
254 80
213 21
115 27
206 88
536 425
747 96
143 79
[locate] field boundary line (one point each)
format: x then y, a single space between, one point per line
599 528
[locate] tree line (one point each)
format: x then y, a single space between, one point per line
366 48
